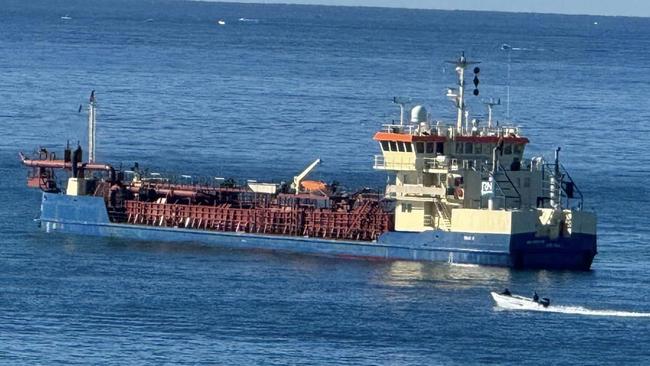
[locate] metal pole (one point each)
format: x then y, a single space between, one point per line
555 184
491 194
91 128
489 116
461 95
508 87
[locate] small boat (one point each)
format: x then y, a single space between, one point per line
66 17
507 300
221 22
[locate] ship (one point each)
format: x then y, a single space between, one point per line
458 192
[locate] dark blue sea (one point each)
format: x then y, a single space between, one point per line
260 99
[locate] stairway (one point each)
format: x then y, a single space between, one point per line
508 189
443 214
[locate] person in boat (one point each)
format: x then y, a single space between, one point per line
506 292
535 296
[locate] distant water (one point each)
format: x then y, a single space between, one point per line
260 100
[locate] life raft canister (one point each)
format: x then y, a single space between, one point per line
459 193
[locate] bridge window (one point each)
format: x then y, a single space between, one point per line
469 148
407 207
430 147
384 146
440 148
400 146
393 146
408 146
519 148
459 148
478 149
419 147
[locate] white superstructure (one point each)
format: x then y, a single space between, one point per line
472 177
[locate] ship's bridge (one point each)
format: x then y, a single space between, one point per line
442 148
438 168
467 176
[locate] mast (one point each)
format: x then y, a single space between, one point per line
490 103
92 122
459 96
401 101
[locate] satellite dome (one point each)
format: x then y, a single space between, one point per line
418 114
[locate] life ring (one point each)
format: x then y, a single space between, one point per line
459 193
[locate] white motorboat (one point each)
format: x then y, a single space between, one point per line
516 302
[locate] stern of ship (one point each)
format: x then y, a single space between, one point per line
562 240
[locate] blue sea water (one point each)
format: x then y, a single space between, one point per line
260 100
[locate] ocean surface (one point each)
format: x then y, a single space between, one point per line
261 98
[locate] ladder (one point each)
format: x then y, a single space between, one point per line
443 214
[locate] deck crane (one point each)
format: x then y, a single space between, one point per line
299 178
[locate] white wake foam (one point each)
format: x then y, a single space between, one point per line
578 310
463 265
584 311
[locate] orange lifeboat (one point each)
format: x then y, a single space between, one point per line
313 185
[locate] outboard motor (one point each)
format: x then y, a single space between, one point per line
545 302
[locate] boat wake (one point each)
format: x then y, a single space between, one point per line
507 47
509 301
463 265
576 310
584 311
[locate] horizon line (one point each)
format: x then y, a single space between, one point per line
298 3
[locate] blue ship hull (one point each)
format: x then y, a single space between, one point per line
87 215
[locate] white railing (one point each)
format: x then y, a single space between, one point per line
435 163
381 163
397 128
496 131
443 129
428 164
414 190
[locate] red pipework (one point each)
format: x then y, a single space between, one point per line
184 190
170 192
62 164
